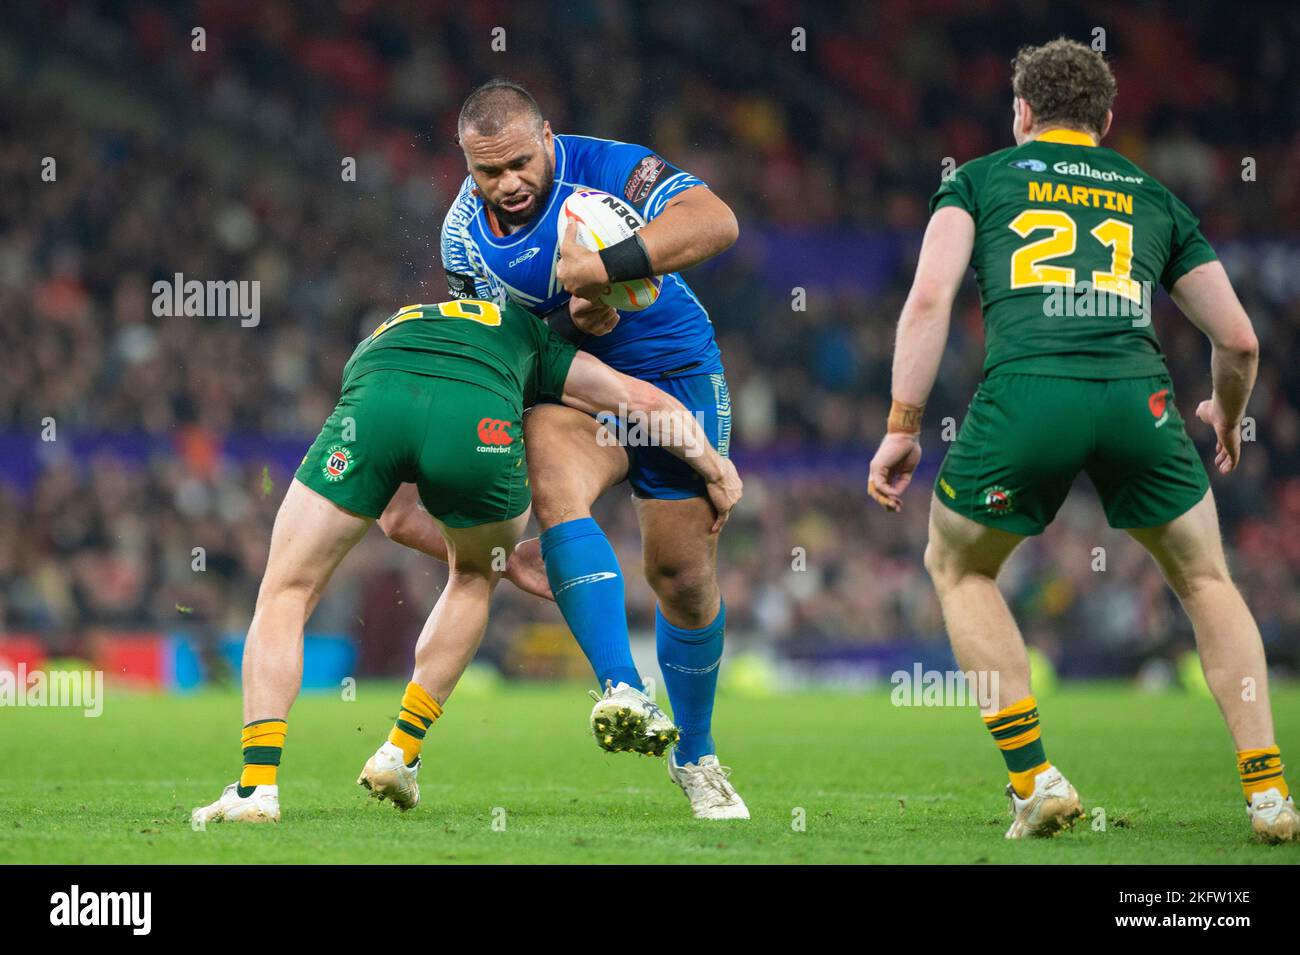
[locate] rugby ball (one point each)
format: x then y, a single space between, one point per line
602 221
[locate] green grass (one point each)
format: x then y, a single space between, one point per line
876 783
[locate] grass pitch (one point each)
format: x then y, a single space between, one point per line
871 782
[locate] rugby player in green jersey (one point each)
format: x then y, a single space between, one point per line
435 396
1067 240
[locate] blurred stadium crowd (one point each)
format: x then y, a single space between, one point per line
225 164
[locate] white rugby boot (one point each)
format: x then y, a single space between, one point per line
262 805
1273 818
387 776
710 793
625 720
1051 808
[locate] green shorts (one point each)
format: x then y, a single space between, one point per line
1026 438
461 444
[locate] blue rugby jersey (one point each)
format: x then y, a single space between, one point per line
672 336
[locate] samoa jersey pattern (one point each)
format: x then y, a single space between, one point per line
672 336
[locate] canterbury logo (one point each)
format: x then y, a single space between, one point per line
1156 403
494 431
585 579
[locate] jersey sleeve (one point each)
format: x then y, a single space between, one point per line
1188 248
553 360
958 190
459 258
637 175
554 356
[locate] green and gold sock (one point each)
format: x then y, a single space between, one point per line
419 710
1015 730
1261 769
263 742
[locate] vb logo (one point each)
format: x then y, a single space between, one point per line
494 431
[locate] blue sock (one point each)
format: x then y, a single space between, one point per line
689 660
588 585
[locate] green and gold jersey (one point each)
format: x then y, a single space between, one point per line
1070 239
502 348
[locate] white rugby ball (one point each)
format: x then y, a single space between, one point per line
602 221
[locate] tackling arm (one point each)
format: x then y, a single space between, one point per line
594 387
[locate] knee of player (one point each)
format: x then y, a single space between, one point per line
686 587
557 495
287 587
1189 582
941 564
933 559
399 518
551 509
393 523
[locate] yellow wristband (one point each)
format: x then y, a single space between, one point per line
905 418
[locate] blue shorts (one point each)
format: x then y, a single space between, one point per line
654 472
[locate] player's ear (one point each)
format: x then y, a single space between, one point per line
1024 115
1106 128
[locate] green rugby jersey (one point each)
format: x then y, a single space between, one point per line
502 348
1052 215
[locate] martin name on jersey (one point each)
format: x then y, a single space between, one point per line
672 336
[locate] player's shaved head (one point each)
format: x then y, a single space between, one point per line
495 105
1065 84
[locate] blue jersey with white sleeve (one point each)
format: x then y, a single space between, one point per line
674 336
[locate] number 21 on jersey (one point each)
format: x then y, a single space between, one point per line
1028 263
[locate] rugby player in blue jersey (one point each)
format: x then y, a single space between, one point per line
499 243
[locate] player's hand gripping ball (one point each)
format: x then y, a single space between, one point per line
602 220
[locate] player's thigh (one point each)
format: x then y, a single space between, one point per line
310 537
1020 447
1144 465
1189 549
959 546
471 468
569 466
